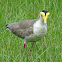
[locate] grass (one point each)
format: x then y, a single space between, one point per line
49 49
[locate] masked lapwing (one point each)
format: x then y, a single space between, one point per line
30 30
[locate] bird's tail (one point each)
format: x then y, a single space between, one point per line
7 28
6 25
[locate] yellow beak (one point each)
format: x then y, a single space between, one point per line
45 20
45 17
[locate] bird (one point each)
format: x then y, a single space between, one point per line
30 30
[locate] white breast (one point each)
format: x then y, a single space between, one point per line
39 30
39 27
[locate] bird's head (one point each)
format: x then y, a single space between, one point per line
44 15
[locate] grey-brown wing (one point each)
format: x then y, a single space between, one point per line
23 32
22 28
26 23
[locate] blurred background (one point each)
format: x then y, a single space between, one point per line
49 49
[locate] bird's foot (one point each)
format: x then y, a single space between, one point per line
23 53
30 53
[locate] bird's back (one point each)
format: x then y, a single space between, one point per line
22 28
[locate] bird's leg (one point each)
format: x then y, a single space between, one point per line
31 49
24 48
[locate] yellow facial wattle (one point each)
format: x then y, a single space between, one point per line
44 17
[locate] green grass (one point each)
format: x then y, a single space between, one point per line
49 49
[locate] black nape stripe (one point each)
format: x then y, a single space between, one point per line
45 12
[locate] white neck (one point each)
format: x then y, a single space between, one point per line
40 20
